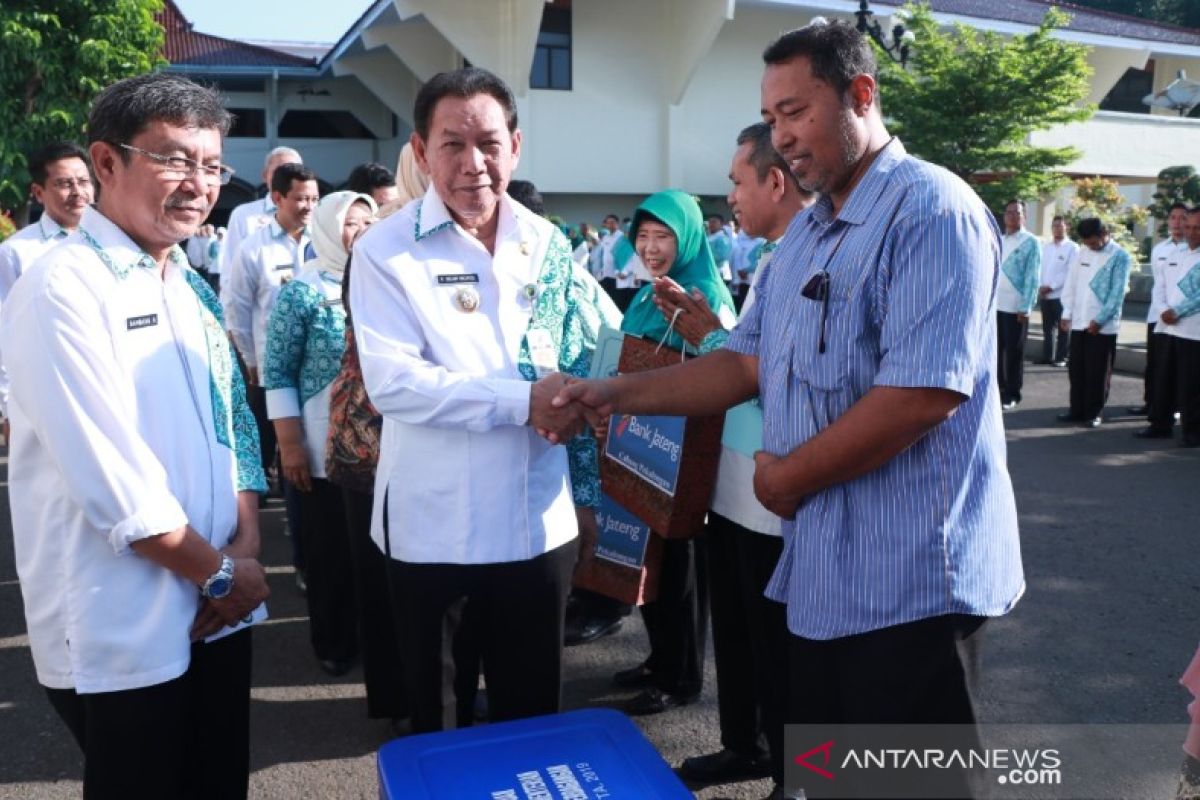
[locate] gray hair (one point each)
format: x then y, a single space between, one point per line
127 107
283 151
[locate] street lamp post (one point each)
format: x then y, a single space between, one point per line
897 49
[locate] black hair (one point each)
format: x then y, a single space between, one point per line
607 217
464 83
763 154
1016 200
1175 205
719 217
55 151
1058 218
1092 226
125 108
836 52
525 193
285 174
368 176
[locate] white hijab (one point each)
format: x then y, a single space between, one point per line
326 229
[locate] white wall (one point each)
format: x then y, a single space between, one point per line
1127 145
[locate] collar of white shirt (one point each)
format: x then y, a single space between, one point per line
114 247
50 228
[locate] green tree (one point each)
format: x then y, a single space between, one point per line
1100 197
1175 185
969 100
1172 12
55 56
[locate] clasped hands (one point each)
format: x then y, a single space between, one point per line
560 406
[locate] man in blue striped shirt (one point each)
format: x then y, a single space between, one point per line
873 348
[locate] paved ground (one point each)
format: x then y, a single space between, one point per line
1108 623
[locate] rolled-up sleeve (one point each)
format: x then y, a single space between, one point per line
66 382
401 383
940 284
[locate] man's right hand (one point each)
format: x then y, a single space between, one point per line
1043 291
593 398
1064 325
558 423
248 593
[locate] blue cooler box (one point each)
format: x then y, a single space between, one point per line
594 754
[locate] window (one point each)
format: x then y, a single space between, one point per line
1128 92
552 56
304 124
248 123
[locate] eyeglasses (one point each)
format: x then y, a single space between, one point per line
817 289
66 184
184 168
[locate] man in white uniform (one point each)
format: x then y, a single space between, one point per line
1057 255
1158 356
467 308
134 464
249 217
62 184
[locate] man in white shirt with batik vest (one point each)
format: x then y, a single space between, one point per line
265 262
1092 302
467 310
1177 382
247 218
134 464
1157 353
607 274
62 185
743 538
1057 255
1016 292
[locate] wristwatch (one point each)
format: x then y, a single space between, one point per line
220 583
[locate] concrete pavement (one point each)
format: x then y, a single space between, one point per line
1109 537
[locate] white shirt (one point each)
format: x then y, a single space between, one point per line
739 261
734 496
635 273
265 262
1056 262
466 481
243 221
1178 265
116 397
1080 303
17 254
1008 297
608 268
1162 253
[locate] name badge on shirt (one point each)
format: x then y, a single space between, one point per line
333 301
144 321
542 352
284 267
454 280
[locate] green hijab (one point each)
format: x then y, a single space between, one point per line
693 267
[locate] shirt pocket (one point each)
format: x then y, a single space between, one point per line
823 369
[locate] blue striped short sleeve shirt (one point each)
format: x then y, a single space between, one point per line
912 260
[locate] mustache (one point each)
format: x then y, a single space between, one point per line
183 201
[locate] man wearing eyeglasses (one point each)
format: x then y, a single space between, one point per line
134 465
249 217
62 185
872 348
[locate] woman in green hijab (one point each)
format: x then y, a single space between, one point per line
668 235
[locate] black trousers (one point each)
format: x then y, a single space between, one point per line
1054 341
609 285
624 297
186 738
739 297
1149 376
924 672
750 639
1090 372
1187 366
520 607
378 636
332 610
1010 355
677 620
1162 379
256 398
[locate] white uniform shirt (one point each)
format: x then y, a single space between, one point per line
739 261
121 397
243 221
1008 296
1178 265
1162 253
635 273
608 268
1056 263
17 254
734 496
466 481
1080 303
266 261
